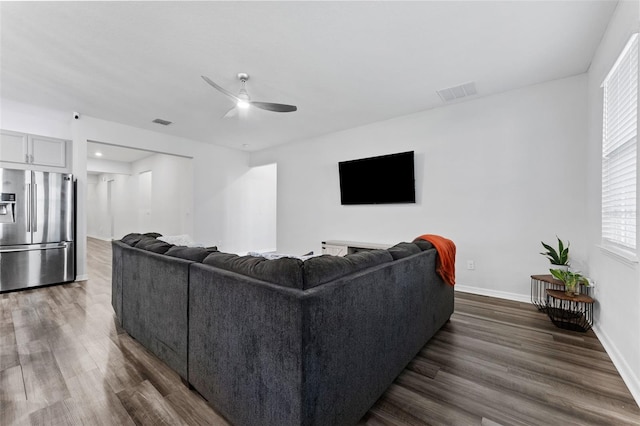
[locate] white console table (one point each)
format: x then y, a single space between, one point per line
342 248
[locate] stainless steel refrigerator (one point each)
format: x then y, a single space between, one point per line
36 229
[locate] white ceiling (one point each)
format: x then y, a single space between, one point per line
344 64
115 153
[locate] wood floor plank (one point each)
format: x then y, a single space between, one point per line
12 384
116 370
73 359
64 360
162 377
378 417
427 410
193 409
9 356
27 326
62 412
17 412
146 406
43 380
98 404
468 396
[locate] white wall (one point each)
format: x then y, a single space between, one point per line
123 210
33 119
169 209
171 198
496 175
261 202
617 312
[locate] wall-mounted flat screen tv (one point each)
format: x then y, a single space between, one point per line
388 179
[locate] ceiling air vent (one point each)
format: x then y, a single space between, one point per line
161 121
456 92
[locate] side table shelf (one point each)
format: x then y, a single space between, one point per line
539 285
569 312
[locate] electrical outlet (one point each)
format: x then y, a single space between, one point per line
471 265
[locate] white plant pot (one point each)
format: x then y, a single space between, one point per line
561 267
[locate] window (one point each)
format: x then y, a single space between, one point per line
619 148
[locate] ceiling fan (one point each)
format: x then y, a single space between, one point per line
243 101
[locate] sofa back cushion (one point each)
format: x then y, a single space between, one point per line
402 250
285 271
132 239
135 237
153 244
322 269
424 245
196 254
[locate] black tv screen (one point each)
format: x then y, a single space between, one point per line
388 179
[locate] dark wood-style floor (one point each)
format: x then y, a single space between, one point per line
64 361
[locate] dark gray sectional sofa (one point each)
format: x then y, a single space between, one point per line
281 342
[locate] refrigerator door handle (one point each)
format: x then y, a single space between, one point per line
28 207
34 212
33 247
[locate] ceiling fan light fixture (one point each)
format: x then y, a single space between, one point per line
243 101
243 98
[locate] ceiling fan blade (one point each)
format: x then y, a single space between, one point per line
221 89
233 112
274 107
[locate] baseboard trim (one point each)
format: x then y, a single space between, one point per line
625 371
83 277
494 293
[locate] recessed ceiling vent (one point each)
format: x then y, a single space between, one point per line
161 121
456 92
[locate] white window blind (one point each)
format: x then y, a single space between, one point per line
619 149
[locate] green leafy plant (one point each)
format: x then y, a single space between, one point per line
557 257
568 277
571 280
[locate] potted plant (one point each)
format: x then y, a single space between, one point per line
559 258
571 280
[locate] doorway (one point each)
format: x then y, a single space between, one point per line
128 190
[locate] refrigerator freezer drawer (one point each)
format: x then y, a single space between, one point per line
35 265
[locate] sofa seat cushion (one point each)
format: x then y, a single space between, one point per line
322 269
196 254
402 250
285 271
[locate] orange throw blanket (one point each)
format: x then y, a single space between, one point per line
446 254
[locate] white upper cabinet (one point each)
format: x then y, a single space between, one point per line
13 147
30 150
48 151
